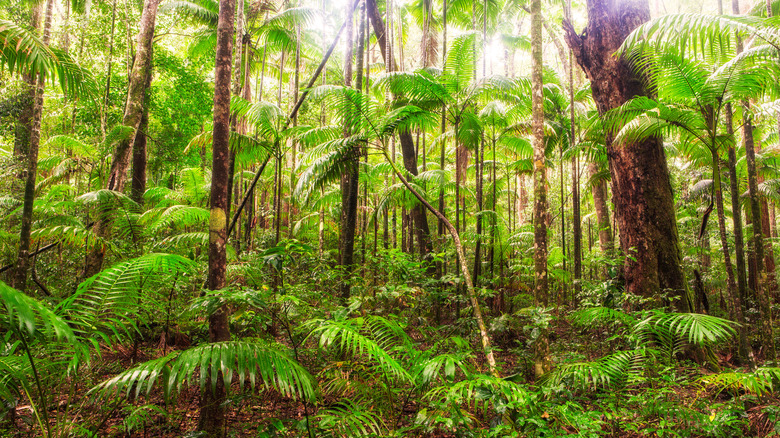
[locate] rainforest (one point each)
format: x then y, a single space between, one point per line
389 218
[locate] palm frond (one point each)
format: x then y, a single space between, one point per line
245 360
22 51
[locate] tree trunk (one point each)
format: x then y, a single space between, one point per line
762 281
350 177
212 409
134 110
23 258
422 231
138 186
541 292
23 128
599 191
641 188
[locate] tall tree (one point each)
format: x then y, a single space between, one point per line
212 409
541 364
408 151
350 175
134 111
39 79
641 189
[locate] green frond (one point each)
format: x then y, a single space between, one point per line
407 118
113 299
243 360
329 166
419 88
33 317
21 51
483 390
762 381
74 146
362 337
186 240
608 372
202 11
180 216
349 419
76 236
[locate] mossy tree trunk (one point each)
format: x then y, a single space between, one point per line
31 172
134 111
641 189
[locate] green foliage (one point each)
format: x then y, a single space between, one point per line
23 52
247 361
112 301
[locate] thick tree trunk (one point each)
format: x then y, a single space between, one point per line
134 110
641 189
23 258
212 409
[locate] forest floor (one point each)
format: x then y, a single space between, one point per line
268 414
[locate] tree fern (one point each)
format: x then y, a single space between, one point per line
22 51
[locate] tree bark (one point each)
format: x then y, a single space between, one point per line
212 410
350 177
641 189
23 258
541 347
134 110
138 186
422 231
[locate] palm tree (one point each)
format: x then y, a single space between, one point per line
24 52
692 106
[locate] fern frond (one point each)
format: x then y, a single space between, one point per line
245 360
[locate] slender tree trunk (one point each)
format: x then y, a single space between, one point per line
23 128
349 179
134 110
541 291
736 216
640 177
422 231
736 301
212 409
23 258
762 280
599 191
